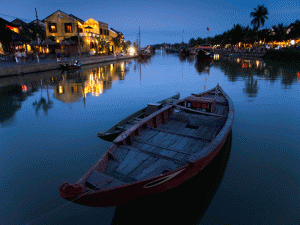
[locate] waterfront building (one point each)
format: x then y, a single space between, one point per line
114 34
92 35
11 38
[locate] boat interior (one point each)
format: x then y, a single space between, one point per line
163 148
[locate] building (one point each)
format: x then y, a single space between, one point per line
10 39
118 36
92 35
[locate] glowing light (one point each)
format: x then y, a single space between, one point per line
131 50
293 42
257 63
216 56
24 88
60 89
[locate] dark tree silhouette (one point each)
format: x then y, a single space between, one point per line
259 17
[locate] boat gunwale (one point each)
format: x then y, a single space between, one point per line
222 133
114 130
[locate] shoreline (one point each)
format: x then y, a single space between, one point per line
34 67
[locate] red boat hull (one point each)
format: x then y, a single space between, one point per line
118 195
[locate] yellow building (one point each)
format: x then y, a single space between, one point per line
93 33
113 34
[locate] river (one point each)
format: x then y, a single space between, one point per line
49 122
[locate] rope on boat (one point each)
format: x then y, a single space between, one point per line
55 210
40 218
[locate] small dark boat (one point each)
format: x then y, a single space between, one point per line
159 152
203 56
76 65
120 127
183 52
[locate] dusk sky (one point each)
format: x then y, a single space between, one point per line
160 20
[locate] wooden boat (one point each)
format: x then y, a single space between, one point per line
203 56
145 53
120 127
158 153
69 67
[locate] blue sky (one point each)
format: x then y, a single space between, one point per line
160 20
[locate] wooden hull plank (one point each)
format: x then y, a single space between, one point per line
114 183
161 139
131 161
156 168
99 179
139 170
145 136
199 145
181 156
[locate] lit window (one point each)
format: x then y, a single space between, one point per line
68 27
52 28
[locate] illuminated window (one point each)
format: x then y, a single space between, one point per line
52 28
68 27
14 29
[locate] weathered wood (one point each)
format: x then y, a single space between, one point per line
131 161
139 170
158 155
182 135
155 148
156 168
222 110
99 179
146 135
113 184
200 112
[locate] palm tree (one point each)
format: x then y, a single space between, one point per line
259 17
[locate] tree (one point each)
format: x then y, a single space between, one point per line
126 45
118 40
259 17
280 32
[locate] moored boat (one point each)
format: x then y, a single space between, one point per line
116 130
203 56
158 153
76 65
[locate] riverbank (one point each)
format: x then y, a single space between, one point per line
13 68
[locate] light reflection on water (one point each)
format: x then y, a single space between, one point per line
49 123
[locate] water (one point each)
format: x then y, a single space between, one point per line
49 123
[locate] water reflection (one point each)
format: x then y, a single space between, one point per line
177 205
45 104
252 70
66 86
203 67
11 98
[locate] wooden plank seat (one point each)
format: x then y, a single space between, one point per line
157 146
99 181
195 120
183 135
199 112
183 162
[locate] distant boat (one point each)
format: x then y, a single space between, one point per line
76 65
183 52
145 53
159 152
203 56
120 127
